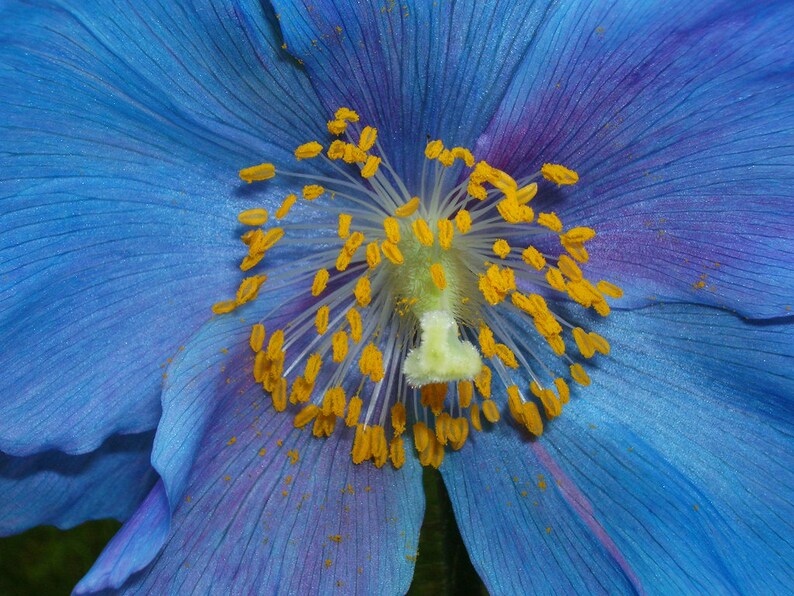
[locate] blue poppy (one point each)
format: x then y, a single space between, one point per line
124 127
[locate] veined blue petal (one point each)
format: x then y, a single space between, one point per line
680 122
65 490
412 70
672 471
245 485
123 129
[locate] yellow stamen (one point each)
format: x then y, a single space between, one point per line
559 174
264 171
474 414
490 411
392 252
363 292
437 274
353 154
286 205
583 342
340 345
301 391
501 248
249 288
408 209
486 341
464 154
563 391
368 137
257 337
459 432
321 319
334 402
252 217
398 417
600 344
579 375
527 193
312 191
337 149
442 427
279 395
320 282
532 256
353 411
550 221
422 232
551 404
576 250
272 236
434 149
373 254
346 114
397 452
477 190
531 418
506 355
421 436
336 127
555 279
569 268
362 444
465 393
275 344
356 327
305 416
380 448
483 382
609 289
343 230
578 235
370 166
463 221
371 363
312 369
391 228
446 158
308 150
446 231
433 396
223 307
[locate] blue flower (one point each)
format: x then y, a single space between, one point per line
123 128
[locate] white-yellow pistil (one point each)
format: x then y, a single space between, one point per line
414 304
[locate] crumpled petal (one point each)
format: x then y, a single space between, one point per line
65 490
670 473
679 119
226 459
123 130
412 70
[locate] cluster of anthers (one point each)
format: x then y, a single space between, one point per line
395 302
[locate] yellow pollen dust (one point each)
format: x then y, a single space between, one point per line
415 297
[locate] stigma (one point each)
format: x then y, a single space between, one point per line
429 309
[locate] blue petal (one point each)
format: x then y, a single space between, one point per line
671 472
412 70
679 119
66 490
123 129
223 454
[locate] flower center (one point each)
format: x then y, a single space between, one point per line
408 295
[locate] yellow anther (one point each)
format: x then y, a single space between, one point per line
550 221
249 288
275 344
482 172
353 154
373 254
408 209
551 405
487 342
446 231
356 327
371 363
257 337
421 436
465 393
352 244
527 193
503 181
308 150
397 452
422 232
555 279
312 191
442 427
363 292
398 417
336 150
563 391
477 190
510 210
601 307
490 410
438 276
576 250
279 395
458 433
261 365
362 444
535 388
264 171
370 166
433 395
503 279
336 127
346 114
569 268
506 355
321 319
489 292
433 455
600 344
531 418
353 411
272 236
252 217
334 402
312 369
579 375
380 448
609 289
558 174
391 228
343 230
474 414
368 137
463 221
514 402
501 248
305 416
301 391
578 235
285 206
392 252
324 425
434 149
339 344
557 344
464 154
223 307
532 256
446 158
483 382
320 282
